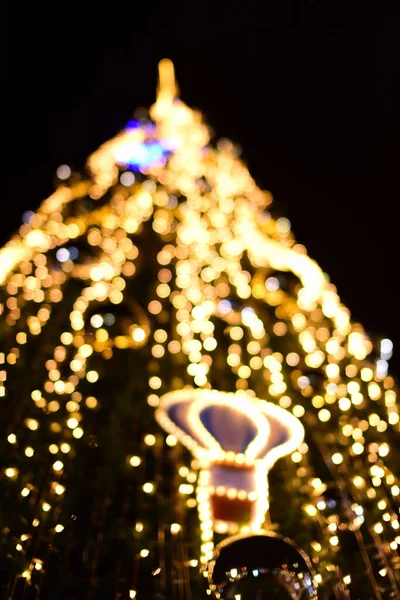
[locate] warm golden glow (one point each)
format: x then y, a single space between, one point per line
235 299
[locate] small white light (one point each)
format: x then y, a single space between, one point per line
63 172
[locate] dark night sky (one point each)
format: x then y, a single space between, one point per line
309 89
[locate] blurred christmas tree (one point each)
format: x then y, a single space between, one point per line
161 268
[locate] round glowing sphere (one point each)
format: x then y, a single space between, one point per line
259 567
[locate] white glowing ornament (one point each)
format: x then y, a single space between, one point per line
237 439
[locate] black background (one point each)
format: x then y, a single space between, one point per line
308 89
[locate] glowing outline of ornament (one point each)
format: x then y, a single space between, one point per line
202 398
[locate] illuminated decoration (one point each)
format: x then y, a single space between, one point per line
142 156
264 565
237 439
160 269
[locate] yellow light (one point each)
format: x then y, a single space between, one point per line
334 540
296 457
337 458
344 404
135 461
72 423
91 402
384 450
150 439
59 528
171 440
357 448
11 472
358 481
175 528
12 438
46 506
155 383
378 528
316 546
138 335
148 488
324 415
298 410
58 465
236 333
92 376
310 510
160 335
85 350
29 451
144 553
186 488
77 433
132 594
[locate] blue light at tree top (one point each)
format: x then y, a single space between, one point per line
143 155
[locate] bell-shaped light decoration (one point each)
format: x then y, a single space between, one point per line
237 439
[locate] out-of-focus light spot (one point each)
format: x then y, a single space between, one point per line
62 255
224 307
324 415
143 155
175 528
382 367
26 217
63 172
132 124
150 439
96 321
272 284
11 472
386 348
283 225
148 487
127 178
109 319
337 458
73 252
135 461
303 382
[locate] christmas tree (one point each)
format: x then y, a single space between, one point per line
159 287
